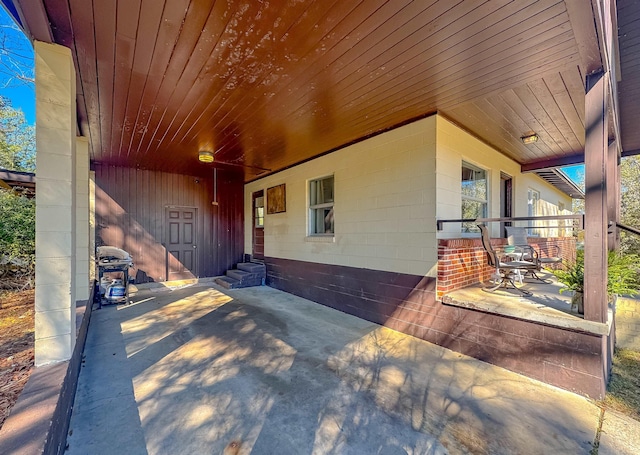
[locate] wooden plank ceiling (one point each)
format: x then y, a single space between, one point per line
267 84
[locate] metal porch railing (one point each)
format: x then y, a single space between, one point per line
577 219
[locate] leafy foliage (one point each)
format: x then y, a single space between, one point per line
630 202
17 139
17 226
572 276
622 274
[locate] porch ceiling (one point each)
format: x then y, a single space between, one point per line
629 85
266 85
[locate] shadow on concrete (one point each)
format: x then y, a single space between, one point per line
196 370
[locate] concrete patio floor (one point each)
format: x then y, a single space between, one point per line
198 370
545 296
545 304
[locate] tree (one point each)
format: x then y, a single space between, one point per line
16 57
17 139
17 213
17 240
630 202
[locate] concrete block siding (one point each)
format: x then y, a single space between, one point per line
389 189
386 262
455 146
55 203
384 205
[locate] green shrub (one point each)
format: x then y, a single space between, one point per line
17 228
572 275
623 272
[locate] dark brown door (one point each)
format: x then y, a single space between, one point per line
506 201
258 225
181 243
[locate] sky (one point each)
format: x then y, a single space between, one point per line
575 173
22 96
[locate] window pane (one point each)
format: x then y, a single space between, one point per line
327 190
532 202
472 209
321 218
328 220
259 211
322 221
474 182
321 191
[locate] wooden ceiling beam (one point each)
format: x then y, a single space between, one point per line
569 160
626 153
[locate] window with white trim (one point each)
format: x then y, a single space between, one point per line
474 195
533 208
533 196
321 206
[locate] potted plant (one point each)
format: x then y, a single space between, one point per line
622 277
572 277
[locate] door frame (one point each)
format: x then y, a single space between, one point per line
255 195
165 241
506 201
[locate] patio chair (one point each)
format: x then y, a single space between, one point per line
506 271
517 236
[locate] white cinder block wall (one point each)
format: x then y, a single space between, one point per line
389 189
384 205
55 300
453 146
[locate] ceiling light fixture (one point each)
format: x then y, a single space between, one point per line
205 157
529 139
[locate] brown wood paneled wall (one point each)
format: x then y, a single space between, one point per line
131 209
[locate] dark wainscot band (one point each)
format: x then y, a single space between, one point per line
407 303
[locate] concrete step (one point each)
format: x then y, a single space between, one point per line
252 267
247 274
227 282
239 275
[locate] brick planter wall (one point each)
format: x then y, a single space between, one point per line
463 262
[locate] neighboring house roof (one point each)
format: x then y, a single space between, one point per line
21 182
560 180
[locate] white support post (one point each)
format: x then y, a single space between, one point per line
55 203
82 219
92 226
